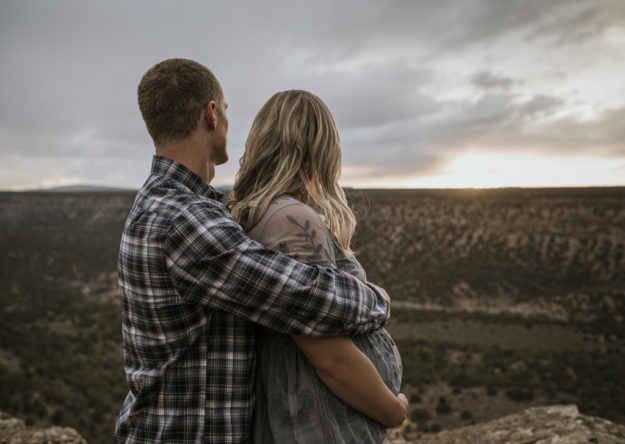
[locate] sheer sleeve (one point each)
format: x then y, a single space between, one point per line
296 230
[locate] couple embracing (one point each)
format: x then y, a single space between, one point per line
247 318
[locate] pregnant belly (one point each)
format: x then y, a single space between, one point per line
380 348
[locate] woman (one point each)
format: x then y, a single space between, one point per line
338 390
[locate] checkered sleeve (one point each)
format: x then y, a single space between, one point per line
213 263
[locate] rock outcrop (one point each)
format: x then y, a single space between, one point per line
561 424
14 431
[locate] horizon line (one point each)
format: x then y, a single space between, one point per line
112 188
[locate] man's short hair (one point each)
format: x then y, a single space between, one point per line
171 96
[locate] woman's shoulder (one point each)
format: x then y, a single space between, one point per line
296 229
284 201
284 214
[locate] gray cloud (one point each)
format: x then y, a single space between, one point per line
488 80
70 71
581 22
604 134
495 122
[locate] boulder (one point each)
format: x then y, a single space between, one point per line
14 431
561 424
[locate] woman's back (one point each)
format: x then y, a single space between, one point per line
293 405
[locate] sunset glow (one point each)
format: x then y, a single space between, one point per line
493 170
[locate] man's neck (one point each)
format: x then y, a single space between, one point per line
189 156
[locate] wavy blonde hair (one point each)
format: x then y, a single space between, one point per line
293 148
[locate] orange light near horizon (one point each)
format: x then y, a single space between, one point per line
495 170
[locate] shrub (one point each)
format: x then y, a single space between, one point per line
420 415
443 406
57 417
520 394
466 415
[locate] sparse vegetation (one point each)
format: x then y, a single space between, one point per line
60 355
513 291
503 299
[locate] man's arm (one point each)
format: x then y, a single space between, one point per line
213 263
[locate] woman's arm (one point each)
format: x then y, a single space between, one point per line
351 376
297 230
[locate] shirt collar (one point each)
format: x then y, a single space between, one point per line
164 166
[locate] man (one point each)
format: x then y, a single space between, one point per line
192 283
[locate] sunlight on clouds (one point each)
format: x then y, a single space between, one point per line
486 170
21 173
582 112
492 170
615 35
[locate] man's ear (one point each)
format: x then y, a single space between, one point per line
211 116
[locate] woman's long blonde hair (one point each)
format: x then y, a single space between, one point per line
293 148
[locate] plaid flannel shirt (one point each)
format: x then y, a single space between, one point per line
192 285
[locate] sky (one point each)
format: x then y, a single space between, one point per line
443 94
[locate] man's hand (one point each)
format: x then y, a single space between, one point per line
388 299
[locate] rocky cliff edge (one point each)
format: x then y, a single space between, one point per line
14 431
561 424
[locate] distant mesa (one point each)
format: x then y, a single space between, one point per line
103 189
224 188
85 189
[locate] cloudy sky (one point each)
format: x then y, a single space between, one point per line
447 93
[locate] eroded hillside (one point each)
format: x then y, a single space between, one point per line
554 253
503 299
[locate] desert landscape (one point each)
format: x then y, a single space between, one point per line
502 299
